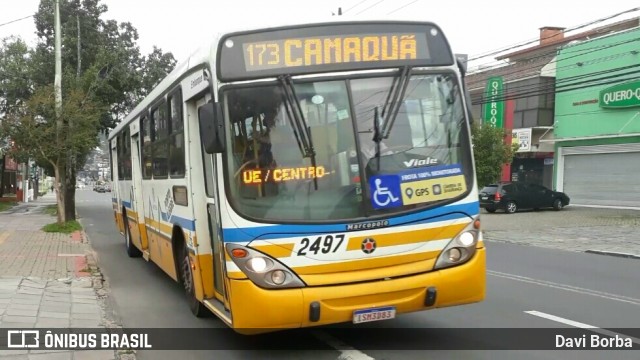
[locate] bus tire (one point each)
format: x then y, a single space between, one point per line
132 250
186 278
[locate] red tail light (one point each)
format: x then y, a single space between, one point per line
498 196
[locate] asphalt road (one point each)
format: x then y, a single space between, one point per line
528 287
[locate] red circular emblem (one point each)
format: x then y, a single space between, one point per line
368 245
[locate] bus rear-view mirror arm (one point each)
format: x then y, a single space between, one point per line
211 127
463 71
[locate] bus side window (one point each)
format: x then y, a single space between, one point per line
176 139
147 149
161 141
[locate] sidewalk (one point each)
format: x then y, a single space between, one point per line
47 280
593 230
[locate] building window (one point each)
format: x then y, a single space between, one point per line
176 138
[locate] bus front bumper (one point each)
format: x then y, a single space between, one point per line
256 310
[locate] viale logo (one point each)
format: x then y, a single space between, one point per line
423 162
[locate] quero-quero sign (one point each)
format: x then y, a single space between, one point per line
620 95
494 107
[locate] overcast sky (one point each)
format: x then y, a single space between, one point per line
473 27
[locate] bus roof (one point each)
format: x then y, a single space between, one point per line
204 55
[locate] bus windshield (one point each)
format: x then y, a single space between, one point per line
326 162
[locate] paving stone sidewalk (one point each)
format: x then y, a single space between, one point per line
48 280
606 231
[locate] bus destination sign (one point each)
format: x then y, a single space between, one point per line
325 48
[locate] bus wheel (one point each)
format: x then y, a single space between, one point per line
186 273
132 250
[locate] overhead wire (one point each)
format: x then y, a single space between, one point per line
16 20
402 7
553 53
351 8
524 89
557 61
372 6
564 88
495 52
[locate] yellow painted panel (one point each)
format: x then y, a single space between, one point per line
276 251
409 237
364 263
347 277
455 286
205 263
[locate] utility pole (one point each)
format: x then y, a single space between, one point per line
79 48
60 173
58 78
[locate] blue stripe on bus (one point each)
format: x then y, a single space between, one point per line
285 231
184 223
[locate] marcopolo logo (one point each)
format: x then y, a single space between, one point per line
621 95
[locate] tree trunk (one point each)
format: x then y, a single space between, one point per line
70 196
4 158
60 186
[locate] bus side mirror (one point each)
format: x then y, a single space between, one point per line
211 127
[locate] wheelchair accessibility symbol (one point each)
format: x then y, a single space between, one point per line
385 191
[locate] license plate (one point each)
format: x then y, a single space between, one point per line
375 314
485 198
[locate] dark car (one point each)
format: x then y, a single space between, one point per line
512 197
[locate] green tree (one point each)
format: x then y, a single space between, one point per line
15 86
101 58
33 129
490 152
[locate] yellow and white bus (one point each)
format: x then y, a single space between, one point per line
307 175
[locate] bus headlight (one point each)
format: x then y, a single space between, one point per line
461 248
263 270
258 264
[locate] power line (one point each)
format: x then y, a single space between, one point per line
349 9
495 52
547 90
567 82
16 20
555 52
379 2
401 7
520 89
581 53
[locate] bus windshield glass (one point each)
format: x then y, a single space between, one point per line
309 152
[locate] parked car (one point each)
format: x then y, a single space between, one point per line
512 197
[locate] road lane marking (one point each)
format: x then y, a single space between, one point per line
346 352
580 325
579 290
561 320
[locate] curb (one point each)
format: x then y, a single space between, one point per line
101 288
615 254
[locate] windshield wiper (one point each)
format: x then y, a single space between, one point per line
296 116
393 102
377 134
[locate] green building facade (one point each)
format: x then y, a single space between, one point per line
597 121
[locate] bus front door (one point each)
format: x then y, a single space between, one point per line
136 198
210 202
